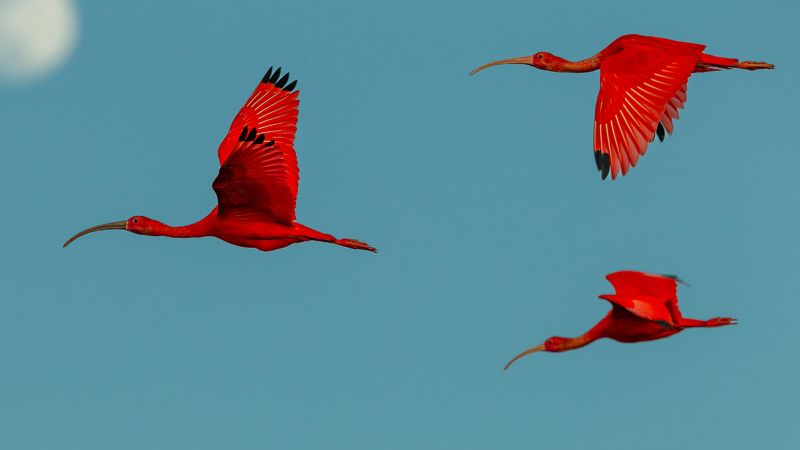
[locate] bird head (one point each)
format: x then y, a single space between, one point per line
556 344
540 60
552 344
136 224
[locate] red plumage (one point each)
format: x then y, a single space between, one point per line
257 182
644 308
642 87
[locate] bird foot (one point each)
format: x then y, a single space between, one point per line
355 244
755 65
721 321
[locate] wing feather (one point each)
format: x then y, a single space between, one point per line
251 184
652 297
272 109
642 84
258 174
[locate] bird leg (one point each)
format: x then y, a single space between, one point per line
715 322
746 65
305 233
355 244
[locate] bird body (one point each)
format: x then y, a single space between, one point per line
624 326
642 86
260 235
644 308
257 182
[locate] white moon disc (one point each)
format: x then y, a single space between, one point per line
36 36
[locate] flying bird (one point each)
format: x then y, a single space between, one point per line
644 308
642 87
257 182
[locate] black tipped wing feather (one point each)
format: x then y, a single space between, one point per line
253 183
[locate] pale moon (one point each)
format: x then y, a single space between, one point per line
36 37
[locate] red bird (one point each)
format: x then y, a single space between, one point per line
642 87
644 308
257 182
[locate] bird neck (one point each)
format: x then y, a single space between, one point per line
580 341
595 333
185 231
584 65
198 229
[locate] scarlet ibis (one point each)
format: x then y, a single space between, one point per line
644 308
257 182
642 87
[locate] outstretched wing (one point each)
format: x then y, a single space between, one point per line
258 173
652 297
272 110
252 183
642 87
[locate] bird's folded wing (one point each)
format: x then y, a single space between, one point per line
272 110
255 181
646 295
646 308
641 89
631 282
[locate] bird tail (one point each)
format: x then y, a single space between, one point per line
355 244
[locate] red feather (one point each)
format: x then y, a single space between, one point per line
642 83
251 185
642 88
271 110
644 308
651 297
258 181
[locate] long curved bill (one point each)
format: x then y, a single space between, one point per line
121 225
521 60
538 348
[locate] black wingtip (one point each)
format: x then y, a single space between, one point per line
270 143
251 136
259 139
274 78
598 160
660 132
606 165
267 75
282 82
244 134
666 326
676 278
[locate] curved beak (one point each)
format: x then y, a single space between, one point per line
538 348
521 60
121 225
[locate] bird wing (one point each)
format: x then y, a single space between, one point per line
258 173
272 110
652 297
642 86
252 183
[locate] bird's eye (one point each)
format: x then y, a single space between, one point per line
539 56
135 220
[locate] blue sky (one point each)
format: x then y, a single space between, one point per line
493 227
